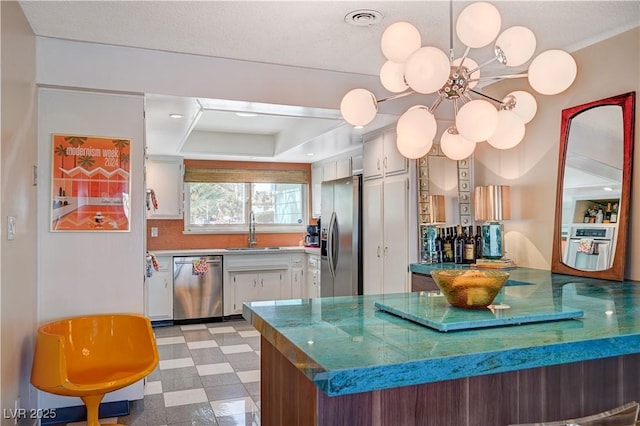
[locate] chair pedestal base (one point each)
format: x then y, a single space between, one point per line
92 402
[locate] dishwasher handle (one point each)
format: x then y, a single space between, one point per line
209 262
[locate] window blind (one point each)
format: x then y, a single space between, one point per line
212 174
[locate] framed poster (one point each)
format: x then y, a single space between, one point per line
90 184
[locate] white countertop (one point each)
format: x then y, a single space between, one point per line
258 250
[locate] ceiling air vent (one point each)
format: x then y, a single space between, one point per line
363 17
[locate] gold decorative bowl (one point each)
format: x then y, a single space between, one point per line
471 289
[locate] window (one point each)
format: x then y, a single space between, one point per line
225 207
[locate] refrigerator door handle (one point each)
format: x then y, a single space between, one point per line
330 245
335 244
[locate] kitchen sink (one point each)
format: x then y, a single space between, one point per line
253 248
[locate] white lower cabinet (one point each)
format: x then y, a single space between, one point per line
252 287
312 287
250 277
297 276
160 290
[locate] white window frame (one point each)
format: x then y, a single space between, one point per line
266 228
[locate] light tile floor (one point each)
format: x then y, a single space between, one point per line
209 374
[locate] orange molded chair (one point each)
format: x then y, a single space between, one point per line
89 356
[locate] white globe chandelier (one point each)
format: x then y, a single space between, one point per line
413 68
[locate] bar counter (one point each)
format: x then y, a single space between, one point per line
341 361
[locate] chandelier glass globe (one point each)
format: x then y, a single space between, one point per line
399 41
417 123
413 149
415 131
478 24
552 72
477 120
517 44
427 70
509 132
454 146
392 77
359 107
525 105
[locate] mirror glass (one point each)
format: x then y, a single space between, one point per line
439 175
593 190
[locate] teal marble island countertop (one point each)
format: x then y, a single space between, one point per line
344 345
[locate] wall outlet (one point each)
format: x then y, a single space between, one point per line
154 231
11 228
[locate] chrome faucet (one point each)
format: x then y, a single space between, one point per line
252 229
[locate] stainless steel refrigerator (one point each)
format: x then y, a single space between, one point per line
341 237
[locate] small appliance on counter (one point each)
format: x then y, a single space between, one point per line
312 239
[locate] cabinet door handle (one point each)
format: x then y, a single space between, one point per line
262 282
378 164
385 162
386 250
255 283
378 251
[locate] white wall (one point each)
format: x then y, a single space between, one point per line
18 199
89 272
605 69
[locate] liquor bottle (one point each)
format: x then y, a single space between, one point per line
599 216
458 251
478 238
614 213
469 247
446 246
607 214
451 245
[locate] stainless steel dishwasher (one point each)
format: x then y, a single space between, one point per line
197 287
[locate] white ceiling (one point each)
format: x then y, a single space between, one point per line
308 34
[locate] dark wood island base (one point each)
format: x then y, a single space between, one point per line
533 395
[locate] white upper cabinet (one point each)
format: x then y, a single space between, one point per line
382 158
329 171
343 168
316 189
320 172
164 178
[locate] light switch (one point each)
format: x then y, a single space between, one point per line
154 231
11 228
